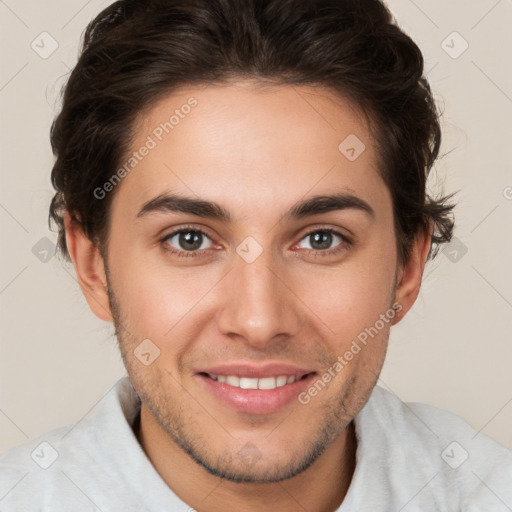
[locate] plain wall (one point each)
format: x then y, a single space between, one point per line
453 350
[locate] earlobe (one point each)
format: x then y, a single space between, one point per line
410 275
89 267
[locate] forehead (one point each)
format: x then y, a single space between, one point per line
242 144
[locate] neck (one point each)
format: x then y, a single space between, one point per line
320 488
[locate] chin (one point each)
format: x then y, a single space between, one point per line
250 464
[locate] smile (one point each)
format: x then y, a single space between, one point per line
265 394
254 383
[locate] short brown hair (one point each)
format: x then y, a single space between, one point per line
135 52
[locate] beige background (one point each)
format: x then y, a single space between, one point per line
453 350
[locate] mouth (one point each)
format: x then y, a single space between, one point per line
264 383
246 393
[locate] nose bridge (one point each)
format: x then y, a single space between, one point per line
258 306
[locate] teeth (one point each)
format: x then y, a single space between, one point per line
267 383
233 381
252 383
281 381
246 383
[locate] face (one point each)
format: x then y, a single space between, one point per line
253 303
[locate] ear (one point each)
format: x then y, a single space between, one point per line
89 267
409 275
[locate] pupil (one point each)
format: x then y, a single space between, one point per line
190 240
323 239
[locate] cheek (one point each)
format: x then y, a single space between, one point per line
156 297
350 298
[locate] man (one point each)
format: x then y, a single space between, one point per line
241 190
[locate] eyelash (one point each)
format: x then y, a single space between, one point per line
346 242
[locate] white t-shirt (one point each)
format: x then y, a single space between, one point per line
410 457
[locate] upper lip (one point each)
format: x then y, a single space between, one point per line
257 371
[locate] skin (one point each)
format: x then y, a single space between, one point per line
256 151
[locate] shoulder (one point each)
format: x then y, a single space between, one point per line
29 470
430 426
435 453
52 465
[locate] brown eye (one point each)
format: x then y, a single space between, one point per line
323 239
188 240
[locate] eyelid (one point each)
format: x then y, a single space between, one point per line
336 230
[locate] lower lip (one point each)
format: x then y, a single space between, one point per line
256 401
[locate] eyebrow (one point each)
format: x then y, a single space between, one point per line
211 210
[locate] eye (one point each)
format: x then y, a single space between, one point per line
321 240
190 242
187 240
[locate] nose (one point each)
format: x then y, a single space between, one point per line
258 303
